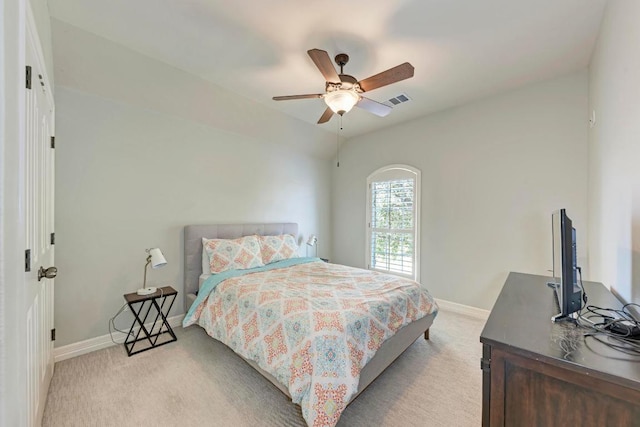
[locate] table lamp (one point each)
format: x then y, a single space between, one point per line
156 259
313 241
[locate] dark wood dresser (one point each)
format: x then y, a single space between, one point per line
539 373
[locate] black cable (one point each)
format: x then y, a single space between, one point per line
631 304
584 293
619 322
605 326
112 326
620 344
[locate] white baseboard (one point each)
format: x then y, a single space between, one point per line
466 310
98 343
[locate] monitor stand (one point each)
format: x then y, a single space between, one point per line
561 317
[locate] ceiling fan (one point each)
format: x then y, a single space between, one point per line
343 91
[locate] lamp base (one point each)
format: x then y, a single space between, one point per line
146 291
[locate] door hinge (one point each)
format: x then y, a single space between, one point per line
53 142
53 238
27 260
28 76
53 334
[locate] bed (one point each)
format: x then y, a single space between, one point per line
386 353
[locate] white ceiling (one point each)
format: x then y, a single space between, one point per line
461 49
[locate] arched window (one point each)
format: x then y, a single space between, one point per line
393 218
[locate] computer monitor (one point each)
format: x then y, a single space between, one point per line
565 276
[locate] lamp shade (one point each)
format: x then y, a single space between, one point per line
342 100
157 259
312 240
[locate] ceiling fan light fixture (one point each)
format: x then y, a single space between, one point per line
342 100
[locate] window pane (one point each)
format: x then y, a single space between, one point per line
392 204
392 215
392 252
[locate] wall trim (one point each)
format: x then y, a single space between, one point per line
466 310
98 343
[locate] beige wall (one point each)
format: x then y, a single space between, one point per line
134 167
614 151
492 173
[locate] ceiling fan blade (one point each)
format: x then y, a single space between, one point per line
392 75
374 107
288 97
324 64
326 116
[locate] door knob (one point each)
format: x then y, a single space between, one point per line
49 273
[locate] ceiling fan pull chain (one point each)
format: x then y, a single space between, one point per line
338 141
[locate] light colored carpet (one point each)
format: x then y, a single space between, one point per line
198 381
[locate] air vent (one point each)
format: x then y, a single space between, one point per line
397 100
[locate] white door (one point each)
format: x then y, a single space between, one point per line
37 188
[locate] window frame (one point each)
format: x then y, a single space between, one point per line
388 173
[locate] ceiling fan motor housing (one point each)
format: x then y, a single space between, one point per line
347 82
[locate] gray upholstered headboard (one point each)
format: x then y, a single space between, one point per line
193 235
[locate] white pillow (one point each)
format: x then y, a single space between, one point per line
233 254
276 248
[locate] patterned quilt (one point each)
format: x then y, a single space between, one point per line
313 326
